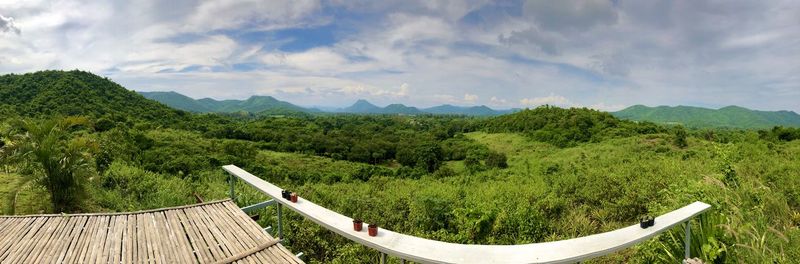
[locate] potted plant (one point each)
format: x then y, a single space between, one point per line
358 225
372 229
285 194
646 221
293 197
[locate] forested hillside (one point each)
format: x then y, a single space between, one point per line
538 175
698 117
65 93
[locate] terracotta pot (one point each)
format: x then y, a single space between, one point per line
373 230
293 197
358 225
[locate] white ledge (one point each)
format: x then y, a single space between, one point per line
432 251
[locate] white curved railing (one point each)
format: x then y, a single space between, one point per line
432 251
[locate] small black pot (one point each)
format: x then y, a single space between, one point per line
286 194
646 221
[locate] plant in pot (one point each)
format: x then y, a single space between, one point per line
293 197
646 221
372 229
358 225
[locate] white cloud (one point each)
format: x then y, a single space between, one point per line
498 101
552 99
607 107
257 15
470 98
581 53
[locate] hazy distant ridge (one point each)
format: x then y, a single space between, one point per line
268 104
698 117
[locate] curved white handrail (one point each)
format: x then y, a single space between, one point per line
432 251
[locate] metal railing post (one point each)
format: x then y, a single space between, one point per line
232 180
280 222
383 258
688 239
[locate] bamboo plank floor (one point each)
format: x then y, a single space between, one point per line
213 232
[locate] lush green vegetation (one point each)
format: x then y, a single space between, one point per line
698 117
538 175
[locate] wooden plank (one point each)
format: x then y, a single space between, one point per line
42 239
197 243
144 224
162 248
72 239
14 233
133 221
83 241
97 240
241 239
251 230
128 239
55 246
183 247
205 233
227 232
167 241
25 242
115 254
152 240
105 248
214 229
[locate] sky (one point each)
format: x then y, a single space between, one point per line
571 53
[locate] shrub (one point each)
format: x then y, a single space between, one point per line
496 160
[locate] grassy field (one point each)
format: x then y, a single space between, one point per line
550 193
20 197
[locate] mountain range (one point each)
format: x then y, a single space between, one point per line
254 104
82 93
270 105
698 117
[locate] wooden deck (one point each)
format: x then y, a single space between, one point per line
214 232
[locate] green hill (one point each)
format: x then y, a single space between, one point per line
46 93
698 117
364 107
178 101
467 110
254 104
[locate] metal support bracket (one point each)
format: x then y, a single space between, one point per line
257 206
280 221
688 240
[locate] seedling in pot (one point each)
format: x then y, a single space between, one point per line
358 225
646 221
373 230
